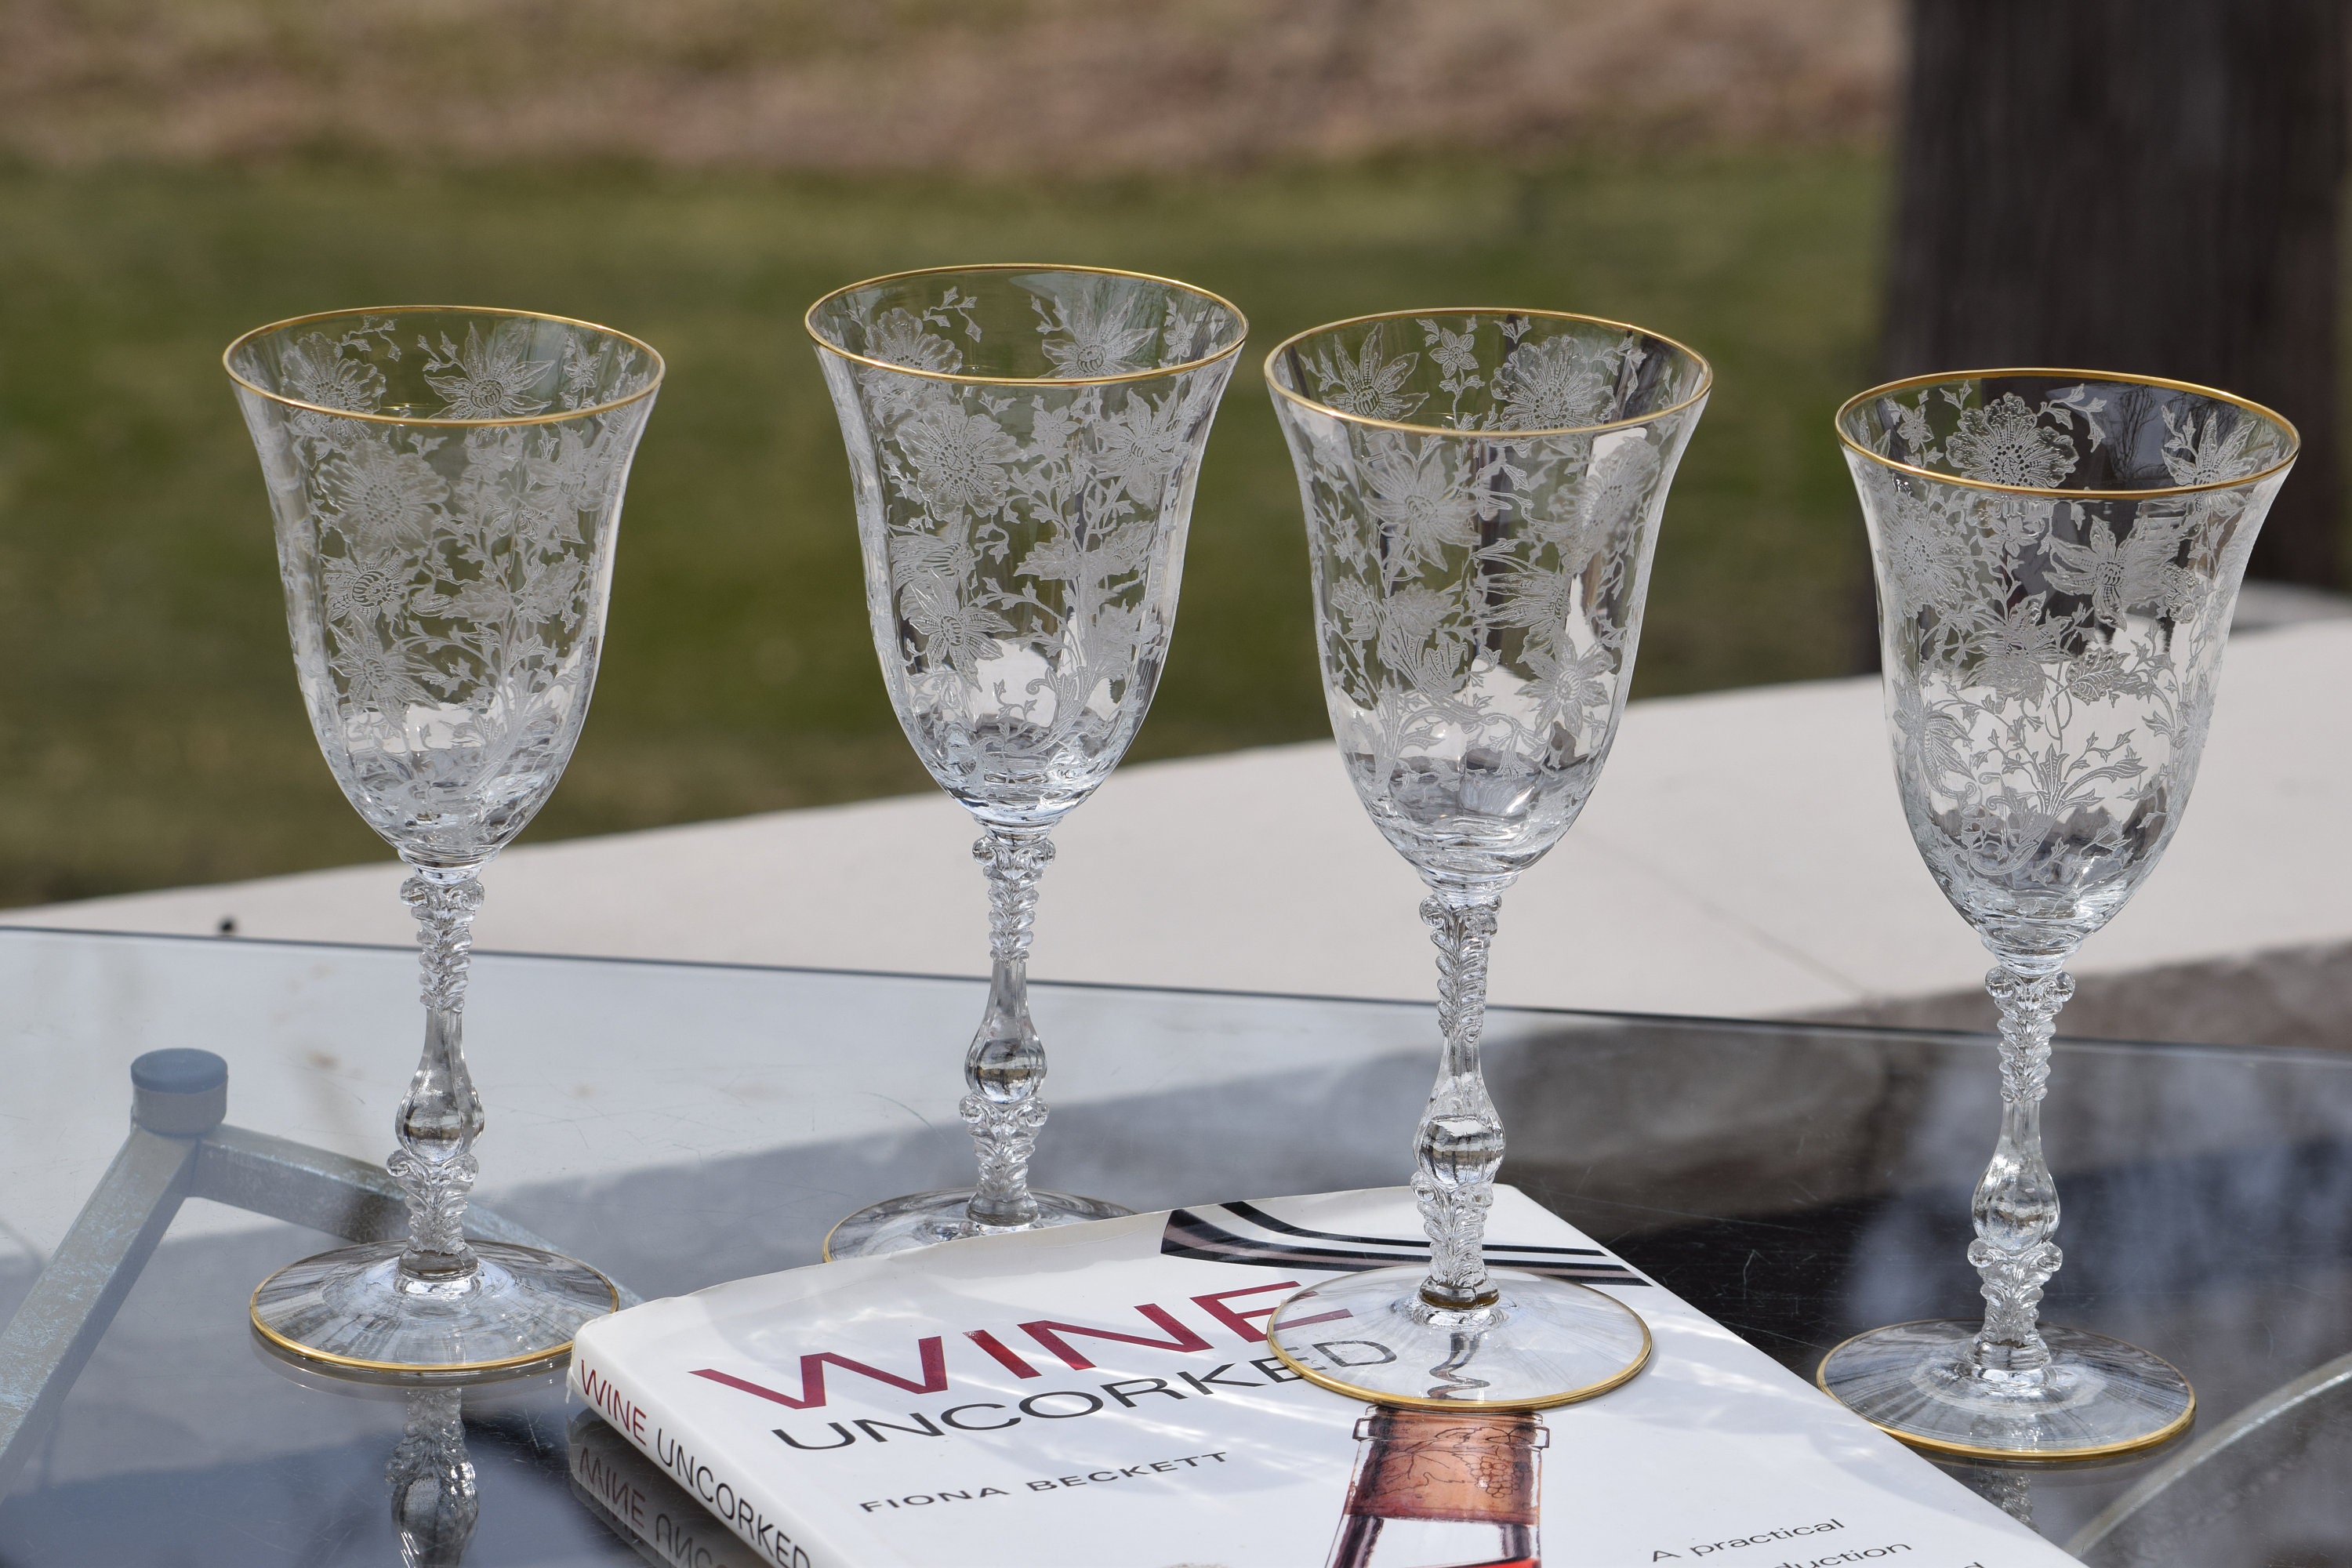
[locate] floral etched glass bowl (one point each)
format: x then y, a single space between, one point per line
2058 555
1483 492
1024 443
446 484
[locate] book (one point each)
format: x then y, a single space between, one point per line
1101 1396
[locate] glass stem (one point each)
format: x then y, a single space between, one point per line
441 1116
1007 1062
2016 1206
1461 1141
2012 1491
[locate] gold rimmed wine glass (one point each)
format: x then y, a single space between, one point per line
1024 442
2058 555
446 483
1482 490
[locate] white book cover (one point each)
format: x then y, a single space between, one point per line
1101 1396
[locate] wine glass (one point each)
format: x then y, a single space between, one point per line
1024 442
1482 490
2058 554
446 483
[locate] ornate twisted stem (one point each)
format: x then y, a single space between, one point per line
1007 1062
1461 1141
439 1120
435 1498
2016 1204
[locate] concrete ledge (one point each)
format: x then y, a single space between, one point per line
1744 854
2288 996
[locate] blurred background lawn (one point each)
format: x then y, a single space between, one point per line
151 734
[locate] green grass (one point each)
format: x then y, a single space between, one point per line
151 734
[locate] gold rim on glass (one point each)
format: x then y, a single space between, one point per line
808 325
1706 373
2111 377
1474 1406
2018 1455
661 366
417 1369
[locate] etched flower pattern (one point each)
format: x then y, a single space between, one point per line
1370 382
446 582
1092 325
490 378
2007 443
1478 590
1025 537
2052 659
958 459
1553 382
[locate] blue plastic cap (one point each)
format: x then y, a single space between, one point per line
180 1070
181 1092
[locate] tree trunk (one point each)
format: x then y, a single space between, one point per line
2145 185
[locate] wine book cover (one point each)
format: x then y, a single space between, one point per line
1101 1396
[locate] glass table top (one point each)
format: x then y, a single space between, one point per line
679 1125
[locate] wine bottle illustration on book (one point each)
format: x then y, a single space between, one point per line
1442 1489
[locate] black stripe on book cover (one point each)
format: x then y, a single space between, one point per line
1258 1216
1191 1235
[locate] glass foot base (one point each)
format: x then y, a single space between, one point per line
348 1309
2098 1397
1545 1343
921 1219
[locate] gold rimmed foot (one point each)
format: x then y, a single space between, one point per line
2096 1398
352 1310
1543 1343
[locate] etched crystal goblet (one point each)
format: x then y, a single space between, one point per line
446 483
2058 554
1483 490
1024 442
